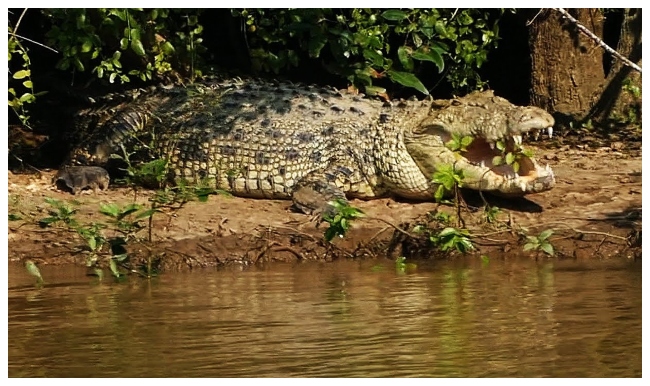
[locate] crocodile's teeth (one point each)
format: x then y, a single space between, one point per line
518 139
547 168
522 184
482 163
550 131
516 175
537 135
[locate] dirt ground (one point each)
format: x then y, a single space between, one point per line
595 211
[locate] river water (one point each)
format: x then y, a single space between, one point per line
464 318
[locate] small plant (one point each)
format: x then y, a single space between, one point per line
459 143
441 217
126 220
540 243
452 238
340 222
60 212
491 214
510 157
24 94
95 240
401 266
448 180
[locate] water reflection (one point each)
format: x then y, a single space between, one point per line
342 319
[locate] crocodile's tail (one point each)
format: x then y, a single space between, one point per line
108 129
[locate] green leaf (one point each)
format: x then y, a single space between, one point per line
99 273
124 43
87 45
92 243
466 141
374 90
111 78
548 248
114 270
500 145
426 54
146 213
316 44
515 167
440 193
167 48
529 246
394 15
109 209
27 98
137 47
120 13
510 158
448 231
403 53
135 34
497 160
33 270
28 84
407 79
121 257
466 244
21 74
78 64
375 58
545 234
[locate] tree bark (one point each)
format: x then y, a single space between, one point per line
567 66
619 99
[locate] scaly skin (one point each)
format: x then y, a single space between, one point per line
269 140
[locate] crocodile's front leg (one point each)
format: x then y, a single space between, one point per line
313 193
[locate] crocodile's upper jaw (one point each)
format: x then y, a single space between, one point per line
492 122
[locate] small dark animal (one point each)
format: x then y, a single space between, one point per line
78 178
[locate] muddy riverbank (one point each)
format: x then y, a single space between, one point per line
595 212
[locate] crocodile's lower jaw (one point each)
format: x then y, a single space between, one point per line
502 179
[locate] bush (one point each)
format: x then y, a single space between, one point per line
366 44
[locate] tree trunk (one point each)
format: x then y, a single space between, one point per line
621 98
567 66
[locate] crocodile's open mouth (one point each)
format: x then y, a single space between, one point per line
505 166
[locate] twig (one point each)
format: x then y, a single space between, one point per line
295 231
19 20
393 225
289 249
377 234
600 245
33 41
534 17
598 41
14 34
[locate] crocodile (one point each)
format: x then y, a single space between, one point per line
278 140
